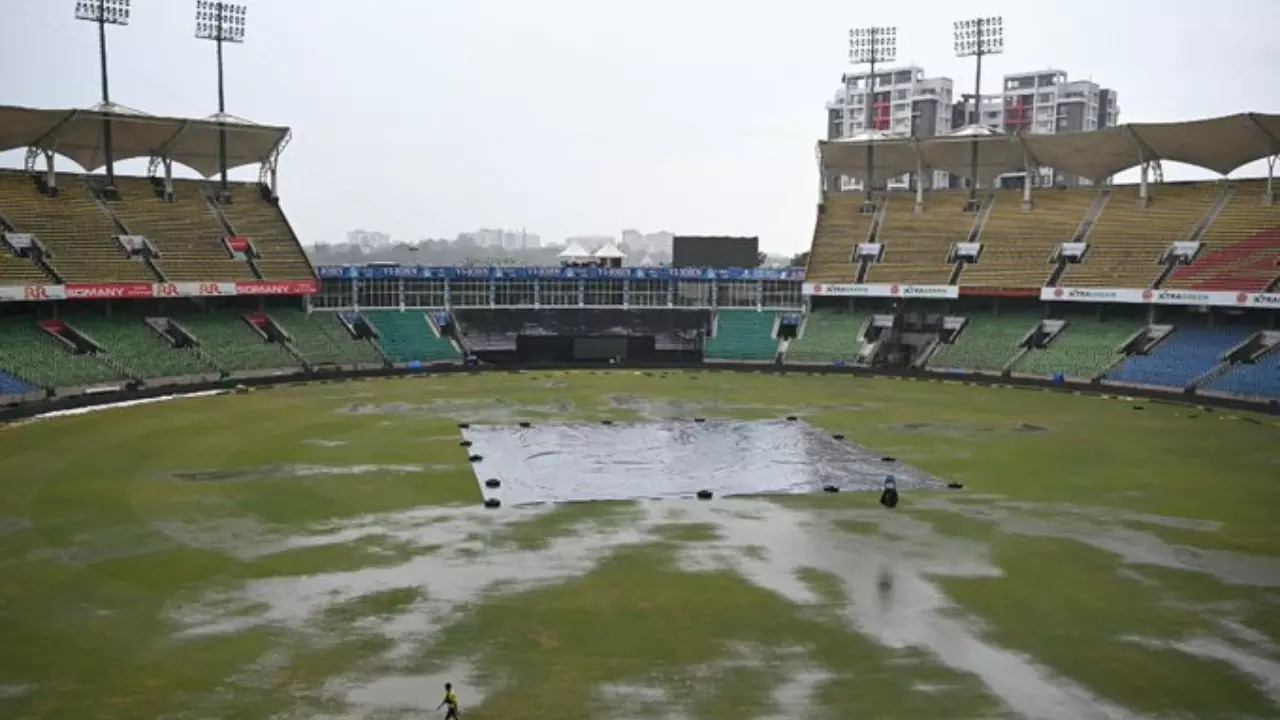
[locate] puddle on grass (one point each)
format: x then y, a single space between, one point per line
317 442
381 696
886 579
1263 671
12 524
497 411
302 471
962 430
649 408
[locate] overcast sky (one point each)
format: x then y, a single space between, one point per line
427 118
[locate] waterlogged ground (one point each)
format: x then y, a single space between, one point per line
320 552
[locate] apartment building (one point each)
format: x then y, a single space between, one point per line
904 103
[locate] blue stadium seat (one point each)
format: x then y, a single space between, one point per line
10 385
1261 379
1182 357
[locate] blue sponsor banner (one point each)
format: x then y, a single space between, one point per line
419 272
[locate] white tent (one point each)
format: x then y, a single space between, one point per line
609 251
574 252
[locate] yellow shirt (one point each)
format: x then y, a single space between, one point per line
451 700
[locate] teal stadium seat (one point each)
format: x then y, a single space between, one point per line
408 337
743 335
828 336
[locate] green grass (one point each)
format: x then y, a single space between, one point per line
104 549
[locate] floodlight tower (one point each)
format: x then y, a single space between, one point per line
868 46
976 38
221 22
103 13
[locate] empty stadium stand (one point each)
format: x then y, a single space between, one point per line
132 343
987 343
281 257
233 345
1017 244
1184 355
743 335
1127 240
322 340
916 244
836 235
79 233
408 337
828 336
185 232
1083 350
20 271
1259 379
31 355
1241 247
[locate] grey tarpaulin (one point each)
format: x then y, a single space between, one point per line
564 463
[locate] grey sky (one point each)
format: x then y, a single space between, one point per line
576 116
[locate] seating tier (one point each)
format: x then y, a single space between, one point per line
253 217
839 229
828 336
408 337
1084 349
132 343
988 342
322 340
916 244
1180 358
743 335
1241 248
32 355
1017 244
233 344
1260 379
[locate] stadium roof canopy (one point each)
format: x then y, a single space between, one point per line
1221 144
77 134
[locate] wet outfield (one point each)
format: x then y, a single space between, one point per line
348 570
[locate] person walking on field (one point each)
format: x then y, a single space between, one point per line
451 700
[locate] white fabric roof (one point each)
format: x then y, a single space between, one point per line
609 251
1221 144
77 134
574 252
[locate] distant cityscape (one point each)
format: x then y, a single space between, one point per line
489 246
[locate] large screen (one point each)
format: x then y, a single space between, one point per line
714 252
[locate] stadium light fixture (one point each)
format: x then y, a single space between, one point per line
221 22
869 46
976 38
103 13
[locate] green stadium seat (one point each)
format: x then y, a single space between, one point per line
987 343
1084 349
30 354
132 343
322 340
828 336
233 345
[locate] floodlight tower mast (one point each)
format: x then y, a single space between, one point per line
103 13
221 22
977 38
871 45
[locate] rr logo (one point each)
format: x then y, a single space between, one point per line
35 292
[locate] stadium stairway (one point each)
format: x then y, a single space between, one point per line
1083 350
408 337
1241 248
1127 239
1259 379
280 255
132 343
79 234
1017 244
1181 357
321 339
186 233
988 343
743 335
839 229
30 354
916 245
233 345
828 336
